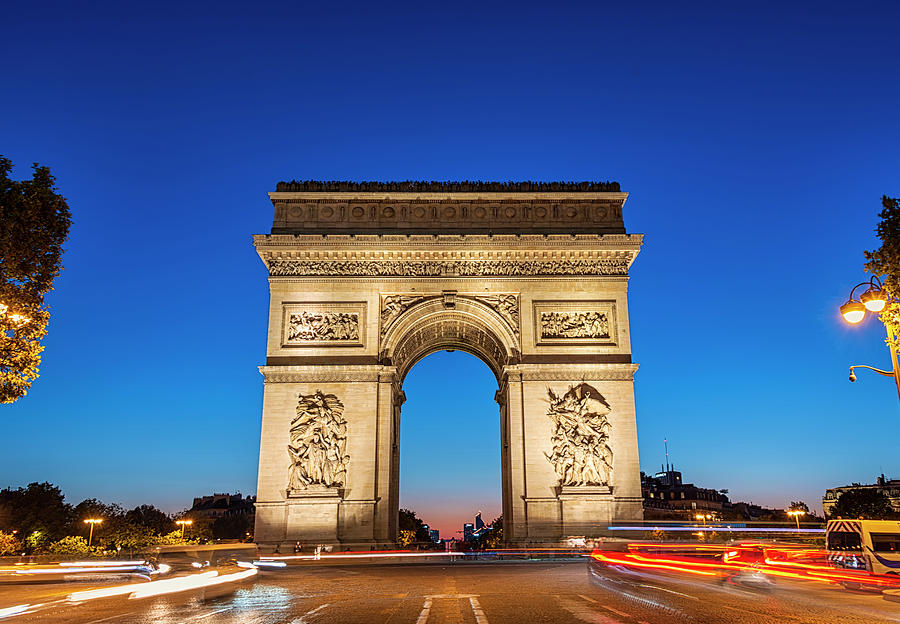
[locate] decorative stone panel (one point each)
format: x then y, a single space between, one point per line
574 323
323 324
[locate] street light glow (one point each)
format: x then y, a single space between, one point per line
874 299
183 524
853 312
92 522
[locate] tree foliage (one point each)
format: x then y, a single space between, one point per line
233 526
36 519
34 224
73 546
885 261
409 521
38 512
492 538
10 544
863 503
152 518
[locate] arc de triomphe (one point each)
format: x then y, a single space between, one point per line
368 278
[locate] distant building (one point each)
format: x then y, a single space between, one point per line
435 535
665 491
221 505
888 487
667 497
468 531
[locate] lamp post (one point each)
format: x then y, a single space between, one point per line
183 524
796 513
92 522
874 299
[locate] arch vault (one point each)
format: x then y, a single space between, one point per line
368 278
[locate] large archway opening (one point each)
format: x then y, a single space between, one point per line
450 462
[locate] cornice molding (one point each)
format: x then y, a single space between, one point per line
572 372
494 242
321 374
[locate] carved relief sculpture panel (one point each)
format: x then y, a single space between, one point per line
318 444
323 324
581 454
574 322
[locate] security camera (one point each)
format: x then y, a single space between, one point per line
852 376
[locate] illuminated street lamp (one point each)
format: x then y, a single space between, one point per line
183 524
796 513
15 317
703 518
875 299
92 522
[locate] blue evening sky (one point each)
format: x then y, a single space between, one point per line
755 140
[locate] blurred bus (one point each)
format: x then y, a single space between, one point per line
871 545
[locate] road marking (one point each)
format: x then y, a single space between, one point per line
206 615
302 619
671 591
585 613
426 609
600 604
476 609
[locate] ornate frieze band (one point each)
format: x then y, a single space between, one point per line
323 324
447 268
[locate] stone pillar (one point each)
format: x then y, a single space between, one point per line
342 513
384 446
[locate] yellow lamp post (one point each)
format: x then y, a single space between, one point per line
874 300
183 524
796 513
92 522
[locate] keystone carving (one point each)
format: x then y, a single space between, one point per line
574 325
323 326
581 453
318 447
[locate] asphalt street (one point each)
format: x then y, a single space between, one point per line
483 593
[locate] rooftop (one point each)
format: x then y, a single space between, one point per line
465 186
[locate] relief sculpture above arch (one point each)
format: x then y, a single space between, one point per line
504 304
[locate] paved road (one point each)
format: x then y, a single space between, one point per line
473 593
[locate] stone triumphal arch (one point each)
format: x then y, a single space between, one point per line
368 278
